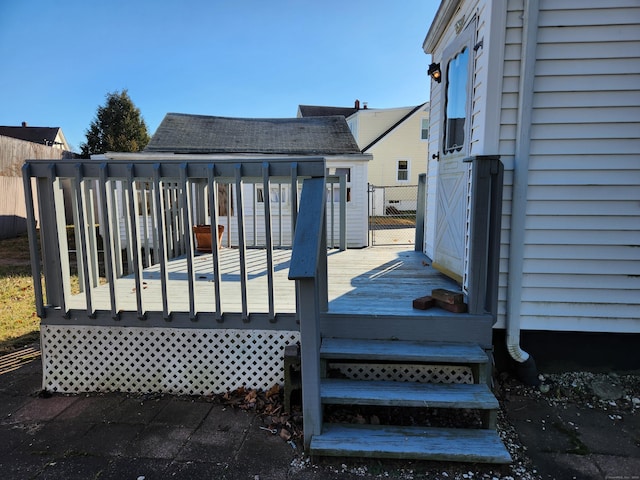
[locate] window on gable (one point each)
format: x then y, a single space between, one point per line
403 170
456 101
424 129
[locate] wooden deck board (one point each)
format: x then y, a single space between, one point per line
411 394
376 280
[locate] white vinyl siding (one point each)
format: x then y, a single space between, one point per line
582 240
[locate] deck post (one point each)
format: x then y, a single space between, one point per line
420 212
485 214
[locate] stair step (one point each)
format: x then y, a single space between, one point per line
422 443
406 351
410 394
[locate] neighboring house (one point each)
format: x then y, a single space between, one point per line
47 136
553 89
327 137
396 137
16 145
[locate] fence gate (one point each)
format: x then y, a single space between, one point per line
392 214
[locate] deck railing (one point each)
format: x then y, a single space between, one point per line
146 210
485 216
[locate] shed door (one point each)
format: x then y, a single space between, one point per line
453 178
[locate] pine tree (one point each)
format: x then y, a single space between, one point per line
118 127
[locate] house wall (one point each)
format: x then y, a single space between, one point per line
403 143
371 123
582 228
573 136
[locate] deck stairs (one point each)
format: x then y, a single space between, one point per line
478 444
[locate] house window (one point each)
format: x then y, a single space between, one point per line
277 194
457 76
424 129
403 170
333 189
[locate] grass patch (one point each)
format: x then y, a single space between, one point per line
19 323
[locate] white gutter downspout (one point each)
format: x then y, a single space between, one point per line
526 366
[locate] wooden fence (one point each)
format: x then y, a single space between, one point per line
13 153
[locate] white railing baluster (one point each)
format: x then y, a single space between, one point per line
145 223
266 185
132 244
81 230
294 198
128 224
34 250
188 237
159 236
215 253
107 240
115 226
56 248
90 208
168 218
280 216
242 247
343 212
254 187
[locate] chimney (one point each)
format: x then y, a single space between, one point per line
364 105
24 124
357 105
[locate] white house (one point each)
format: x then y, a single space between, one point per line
553 88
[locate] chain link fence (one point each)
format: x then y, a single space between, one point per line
392 214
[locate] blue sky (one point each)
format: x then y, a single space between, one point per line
239 58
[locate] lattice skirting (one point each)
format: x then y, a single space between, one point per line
403 372
171 360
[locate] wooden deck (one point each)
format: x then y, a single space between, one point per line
380 280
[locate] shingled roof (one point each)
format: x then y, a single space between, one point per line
184 133
41 135
322 111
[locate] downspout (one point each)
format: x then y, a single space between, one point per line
525 365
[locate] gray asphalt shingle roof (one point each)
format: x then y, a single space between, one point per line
324 111
41 135
184 133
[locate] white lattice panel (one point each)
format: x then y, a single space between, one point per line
171 360
405 373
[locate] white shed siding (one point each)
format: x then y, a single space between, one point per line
581 268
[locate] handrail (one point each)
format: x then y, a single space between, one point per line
309 269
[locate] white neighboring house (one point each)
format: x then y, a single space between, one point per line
397 138
553 87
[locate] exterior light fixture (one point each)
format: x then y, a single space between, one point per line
434 72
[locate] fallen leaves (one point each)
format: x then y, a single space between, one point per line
269 406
